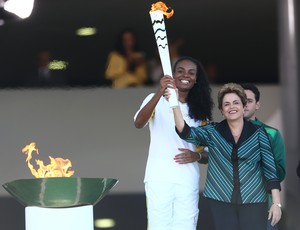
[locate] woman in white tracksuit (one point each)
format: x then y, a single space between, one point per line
172 189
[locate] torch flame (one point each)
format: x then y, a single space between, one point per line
167 11
58 167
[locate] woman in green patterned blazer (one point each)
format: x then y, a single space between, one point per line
241 167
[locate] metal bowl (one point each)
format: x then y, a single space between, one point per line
60 191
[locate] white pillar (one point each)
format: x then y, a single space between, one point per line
289 80
74 218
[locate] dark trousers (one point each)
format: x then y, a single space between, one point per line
227 216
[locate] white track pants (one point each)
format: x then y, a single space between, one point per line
171 206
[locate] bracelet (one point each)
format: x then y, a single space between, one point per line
278 204
200 156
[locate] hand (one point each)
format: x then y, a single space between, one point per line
165 83
187 156
274 214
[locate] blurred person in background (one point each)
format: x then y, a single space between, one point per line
154 65
126 65
42 75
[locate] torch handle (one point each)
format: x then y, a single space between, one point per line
160 33
173 101
167 70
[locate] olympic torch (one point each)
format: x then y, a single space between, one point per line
157 12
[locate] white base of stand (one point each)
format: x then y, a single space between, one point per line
75 218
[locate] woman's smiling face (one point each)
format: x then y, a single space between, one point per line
232 107
185 75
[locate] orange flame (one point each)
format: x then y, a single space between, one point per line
58 167
167 11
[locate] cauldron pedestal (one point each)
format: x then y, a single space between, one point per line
61 203
77 218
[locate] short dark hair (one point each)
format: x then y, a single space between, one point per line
231 88
253 88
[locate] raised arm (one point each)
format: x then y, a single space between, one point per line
179 121
146 112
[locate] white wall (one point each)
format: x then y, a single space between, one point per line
91 127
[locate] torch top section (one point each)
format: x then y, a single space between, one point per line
167 11
60 192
